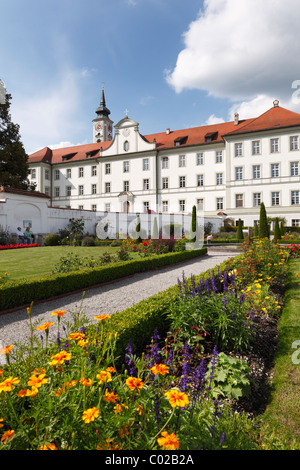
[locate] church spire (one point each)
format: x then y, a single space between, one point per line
102 111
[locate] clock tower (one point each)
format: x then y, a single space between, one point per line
102 124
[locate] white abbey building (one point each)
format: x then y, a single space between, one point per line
230 167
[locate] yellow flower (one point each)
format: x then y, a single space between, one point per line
48 447
160 369
6 350
110 397
168 441
90 414
77 336
134 382
1 425
7 436
86 382
59 313
60 358
8 384
177 398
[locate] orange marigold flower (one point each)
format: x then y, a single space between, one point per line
7 349
44 326
177 398
48 447
160 369
59 313
7 436
102 317
110 397
90 414
134 382
104 376
110 369
60 358
8 384
168 441
86 382
1 425
37 381
77 336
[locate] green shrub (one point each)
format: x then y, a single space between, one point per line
88 241
52 239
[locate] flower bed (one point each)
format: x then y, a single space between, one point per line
20 245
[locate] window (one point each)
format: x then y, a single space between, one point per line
274 170
294 197
294 168
94 170
125 186
56 175
146 206
219 156
274 145
294 143
181 205
275 198
238 150
219 203
295 222
126 146
94 189
256 199
107 187
239 200
80 189
200 158
69 173
256 147
126 167
33 173
200 180
200 204
239 173
219 178
146 164
182 181
256 171
181 160
165 206
146 184
47 190
107 207
47 174
165 162
80 172
165 183
56 191
68 190
94 207
107 168
80 207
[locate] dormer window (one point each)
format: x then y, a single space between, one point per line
210 136
180 141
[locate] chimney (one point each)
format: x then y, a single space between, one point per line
236 119
168 131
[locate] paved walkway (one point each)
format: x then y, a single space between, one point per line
108 299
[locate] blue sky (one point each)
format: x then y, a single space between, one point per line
171 63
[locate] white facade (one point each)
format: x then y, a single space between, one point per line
229 167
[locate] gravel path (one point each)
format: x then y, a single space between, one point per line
108 299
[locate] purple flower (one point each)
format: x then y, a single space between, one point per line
128 360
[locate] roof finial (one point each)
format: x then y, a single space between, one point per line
276 103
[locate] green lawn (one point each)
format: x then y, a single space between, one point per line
38 261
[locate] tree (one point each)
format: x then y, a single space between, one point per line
138 229
263 229
239 233
194 224
277 234
14 167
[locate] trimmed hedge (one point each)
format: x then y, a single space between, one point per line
18 293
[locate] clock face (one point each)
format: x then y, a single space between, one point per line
97 127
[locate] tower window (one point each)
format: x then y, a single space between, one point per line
126 146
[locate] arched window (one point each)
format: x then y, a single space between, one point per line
126 146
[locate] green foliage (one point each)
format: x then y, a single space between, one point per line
277 232
52 239
263 230
88 241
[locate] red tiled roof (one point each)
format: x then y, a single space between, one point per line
77 152
24 192
274 118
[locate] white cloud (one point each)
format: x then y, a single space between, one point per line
241 50
214 120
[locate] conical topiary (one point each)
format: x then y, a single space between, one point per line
239 233
263 229
277 234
